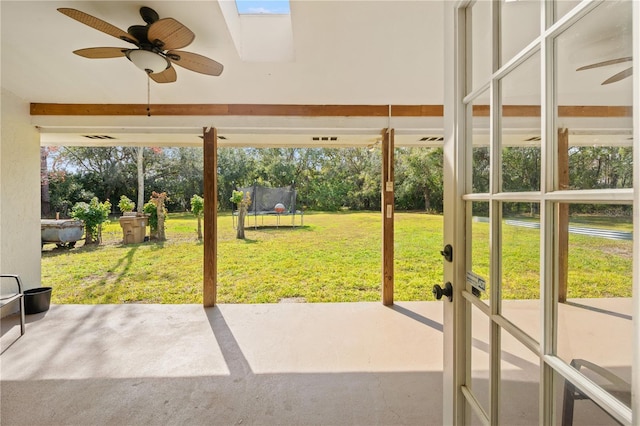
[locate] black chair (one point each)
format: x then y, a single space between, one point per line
10 297
615 386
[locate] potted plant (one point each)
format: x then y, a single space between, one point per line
133 226
126 206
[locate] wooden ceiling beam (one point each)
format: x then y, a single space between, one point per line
563 111
312 110
238 110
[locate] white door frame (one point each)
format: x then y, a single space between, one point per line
454 132
456 319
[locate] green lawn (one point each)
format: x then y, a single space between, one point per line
335 257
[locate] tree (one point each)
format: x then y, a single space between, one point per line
242 200
197 208
236 169
140 168
158 200
177 171
419 178
45 202
521 169
65 191
106 171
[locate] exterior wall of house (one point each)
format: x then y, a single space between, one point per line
19 192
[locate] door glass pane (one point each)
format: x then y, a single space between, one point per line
480 355
594 328
413 232
594 113
480 160
572 408
520 383
601 165
520 25
520 135
479 241
521 266
480 43
564 6
474 419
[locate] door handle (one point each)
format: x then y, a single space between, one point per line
447 252
438 291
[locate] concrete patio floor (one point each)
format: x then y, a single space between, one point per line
281 364
329 364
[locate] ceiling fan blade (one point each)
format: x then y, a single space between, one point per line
167 33
605 63
167 76
619 76
195 62
98 24
148 15
101 52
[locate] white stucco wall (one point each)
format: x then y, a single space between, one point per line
19 192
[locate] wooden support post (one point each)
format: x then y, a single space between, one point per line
210 153
387 216
563 215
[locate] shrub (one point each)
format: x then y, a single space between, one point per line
93 215
150 209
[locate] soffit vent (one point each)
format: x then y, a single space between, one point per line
325 138
533 139
432 139
98 136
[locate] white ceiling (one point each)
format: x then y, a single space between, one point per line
347 52
344 52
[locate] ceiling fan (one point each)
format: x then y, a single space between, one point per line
155 45
616 77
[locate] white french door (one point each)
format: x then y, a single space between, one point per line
542 209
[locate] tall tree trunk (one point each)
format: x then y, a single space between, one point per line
199 228
160 212
88 236
140 179
242 213
45 201
427 201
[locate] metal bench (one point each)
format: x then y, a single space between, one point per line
5 299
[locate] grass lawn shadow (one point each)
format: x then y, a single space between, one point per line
278 228
114 279
57 251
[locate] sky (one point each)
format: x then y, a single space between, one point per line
263 6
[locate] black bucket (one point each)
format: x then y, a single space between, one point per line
37 300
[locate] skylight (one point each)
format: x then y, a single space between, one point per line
263 7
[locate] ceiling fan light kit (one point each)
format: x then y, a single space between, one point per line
156 43
149 62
